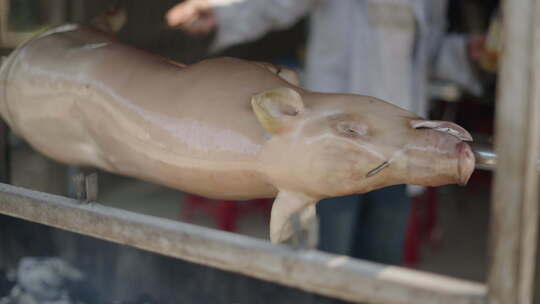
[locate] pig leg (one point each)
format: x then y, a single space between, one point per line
285 205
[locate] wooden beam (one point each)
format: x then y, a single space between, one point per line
515 191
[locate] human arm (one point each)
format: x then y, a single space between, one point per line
236 21
455 62
453 56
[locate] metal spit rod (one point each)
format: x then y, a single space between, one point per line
486 158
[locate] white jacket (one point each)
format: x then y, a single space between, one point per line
383 48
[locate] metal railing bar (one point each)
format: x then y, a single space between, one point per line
314 271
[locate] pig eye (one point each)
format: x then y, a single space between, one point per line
351 128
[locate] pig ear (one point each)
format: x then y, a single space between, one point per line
275 109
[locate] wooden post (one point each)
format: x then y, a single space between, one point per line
515 190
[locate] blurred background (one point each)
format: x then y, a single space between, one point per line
446 231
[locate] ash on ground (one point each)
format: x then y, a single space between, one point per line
51 280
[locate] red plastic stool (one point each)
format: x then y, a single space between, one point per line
226 213
422 226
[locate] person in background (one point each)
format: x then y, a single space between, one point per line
383 48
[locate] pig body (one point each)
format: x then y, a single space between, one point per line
221 128
80 98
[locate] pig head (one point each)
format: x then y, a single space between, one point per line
327 145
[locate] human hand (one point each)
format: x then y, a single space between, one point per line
476 47
196 17
483 53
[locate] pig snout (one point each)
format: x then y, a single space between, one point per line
465 163
452 138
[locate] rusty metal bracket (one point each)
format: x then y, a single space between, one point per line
86 187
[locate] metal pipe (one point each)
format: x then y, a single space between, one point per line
486 158
314 271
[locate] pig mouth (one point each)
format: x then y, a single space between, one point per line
378 169
465 166
466 158
443 126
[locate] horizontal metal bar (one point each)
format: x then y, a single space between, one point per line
486 158
326 274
